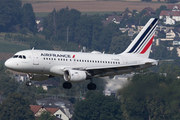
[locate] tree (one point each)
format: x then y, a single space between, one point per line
28 92
162 7
83 34
15 107
96 106
28 18
9 14
151 96
8 85
46 115
119 43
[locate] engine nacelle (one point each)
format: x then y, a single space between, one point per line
75 76
39 77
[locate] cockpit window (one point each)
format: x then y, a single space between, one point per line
15 56
19 56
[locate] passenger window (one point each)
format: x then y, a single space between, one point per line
46 58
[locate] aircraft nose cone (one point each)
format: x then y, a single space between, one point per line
8 64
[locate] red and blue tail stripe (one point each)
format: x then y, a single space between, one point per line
143 41
144 37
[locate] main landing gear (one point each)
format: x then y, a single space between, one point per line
67 85
90 86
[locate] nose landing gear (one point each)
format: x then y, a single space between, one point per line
28 83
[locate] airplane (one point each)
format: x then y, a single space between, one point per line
80 66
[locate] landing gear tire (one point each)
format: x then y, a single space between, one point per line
67 85
91 86
28 83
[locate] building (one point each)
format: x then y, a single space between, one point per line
58 113
150 10
173 7
51 102
21 77
170 16
112 18
46 83
37 110
126 12
117 82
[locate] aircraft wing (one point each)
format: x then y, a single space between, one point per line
98 71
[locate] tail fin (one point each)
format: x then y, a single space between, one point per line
142 43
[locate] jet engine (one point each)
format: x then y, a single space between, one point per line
75 76
39 77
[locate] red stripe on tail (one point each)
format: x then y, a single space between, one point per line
147 46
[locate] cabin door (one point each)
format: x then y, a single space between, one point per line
35 59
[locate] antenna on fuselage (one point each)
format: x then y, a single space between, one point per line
33 48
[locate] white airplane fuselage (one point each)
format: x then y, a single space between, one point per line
55 62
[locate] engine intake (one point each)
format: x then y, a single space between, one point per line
75 76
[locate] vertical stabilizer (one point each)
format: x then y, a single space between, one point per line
141 45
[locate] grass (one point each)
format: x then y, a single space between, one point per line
100 13
44 14
8 47
11 47
41 14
